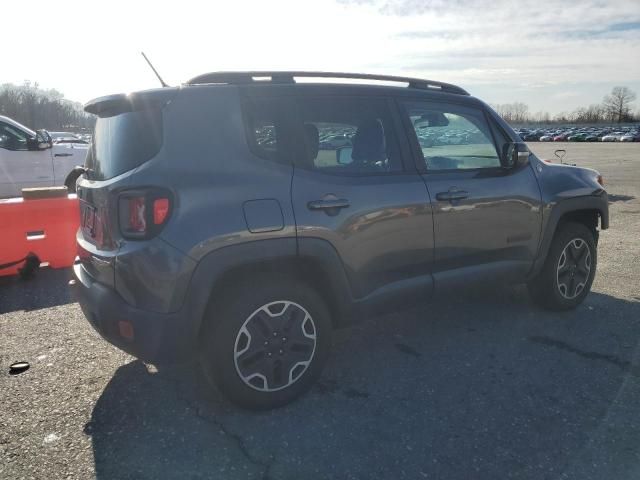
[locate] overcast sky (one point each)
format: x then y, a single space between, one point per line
552 55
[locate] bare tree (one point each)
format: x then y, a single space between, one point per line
541 117
618 104
38 108
521 112
513 112
518 113
591 114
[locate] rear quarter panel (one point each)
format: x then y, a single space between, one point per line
207 163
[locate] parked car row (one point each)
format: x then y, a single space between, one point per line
332 137
69 137
580 134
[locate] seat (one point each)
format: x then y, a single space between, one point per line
312 139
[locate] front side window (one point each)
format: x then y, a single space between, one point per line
12 138
452 137
349 136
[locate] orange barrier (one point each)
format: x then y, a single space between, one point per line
43 227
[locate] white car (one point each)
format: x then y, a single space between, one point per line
335 141
612 137
628 137
31 159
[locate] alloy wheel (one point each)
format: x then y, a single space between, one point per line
574 267
275 346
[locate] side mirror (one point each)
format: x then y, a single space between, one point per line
343 155
32 144
42 141
514 154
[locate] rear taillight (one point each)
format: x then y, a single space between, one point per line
143 213
137 214
160 210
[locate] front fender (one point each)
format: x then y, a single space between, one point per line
553 213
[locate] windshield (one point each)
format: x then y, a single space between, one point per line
12 138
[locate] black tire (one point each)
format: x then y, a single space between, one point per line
30 267
72 178
242 307
558 285
71 187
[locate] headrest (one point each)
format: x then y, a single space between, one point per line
368 142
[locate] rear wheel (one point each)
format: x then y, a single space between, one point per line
266 342
569 270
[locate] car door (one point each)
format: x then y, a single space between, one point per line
487 219
20 167
352 189
66 156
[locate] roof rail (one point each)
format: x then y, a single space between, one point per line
245 78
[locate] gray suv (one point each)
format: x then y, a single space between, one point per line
244 216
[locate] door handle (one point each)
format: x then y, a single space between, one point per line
452 195
63 154
329 203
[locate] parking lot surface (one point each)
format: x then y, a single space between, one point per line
478 385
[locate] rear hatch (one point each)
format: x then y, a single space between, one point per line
128 133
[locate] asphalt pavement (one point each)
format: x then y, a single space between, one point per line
478 385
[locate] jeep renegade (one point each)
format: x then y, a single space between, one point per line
243 216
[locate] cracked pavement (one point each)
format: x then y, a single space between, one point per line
480 385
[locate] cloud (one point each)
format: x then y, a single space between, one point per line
509 51
442 35
521 47
419 7
622 27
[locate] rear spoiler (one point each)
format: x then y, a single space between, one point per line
111 105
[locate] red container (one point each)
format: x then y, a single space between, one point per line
45 227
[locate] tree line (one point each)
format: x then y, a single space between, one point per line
40 108
615 108
37 108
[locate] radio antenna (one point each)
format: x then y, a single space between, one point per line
155 71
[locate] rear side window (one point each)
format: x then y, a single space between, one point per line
266 122
123 142
349 136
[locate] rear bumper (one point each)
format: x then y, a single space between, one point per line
157 337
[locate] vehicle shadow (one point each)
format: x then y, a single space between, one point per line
619 198
477 385
47 288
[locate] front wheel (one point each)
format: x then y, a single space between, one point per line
569 270
266 342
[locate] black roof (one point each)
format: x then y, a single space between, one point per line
271 77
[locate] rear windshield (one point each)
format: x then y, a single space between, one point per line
123 142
